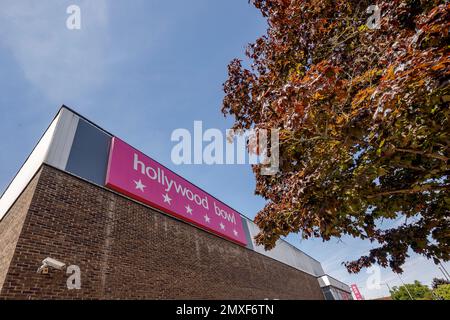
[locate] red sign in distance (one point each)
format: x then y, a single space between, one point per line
139 177
355 289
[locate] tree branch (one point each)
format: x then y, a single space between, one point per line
408 191
423 153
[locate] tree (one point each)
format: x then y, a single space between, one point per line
437 282
364 124
417 290
442 292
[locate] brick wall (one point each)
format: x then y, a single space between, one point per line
11 227
129 251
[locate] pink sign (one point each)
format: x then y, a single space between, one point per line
134 174
356 292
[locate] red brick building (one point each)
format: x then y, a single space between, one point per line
115 246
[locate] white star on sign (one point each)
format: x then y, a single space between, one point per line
222 226
235 233
139 185
188 209
167 198
207 218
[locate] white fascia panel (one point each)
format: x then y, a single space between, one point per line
59 151
28 170
324 281
53 148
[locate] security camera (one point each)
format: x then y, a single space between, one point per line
52 263
58 265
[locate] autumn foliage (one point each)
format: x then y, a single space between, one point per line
364 123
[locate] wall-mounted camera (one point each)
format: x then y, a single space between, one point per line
50 263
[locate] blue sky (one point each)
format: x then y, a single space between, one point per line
141 69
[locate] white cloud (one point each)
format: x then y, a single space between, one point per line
61 63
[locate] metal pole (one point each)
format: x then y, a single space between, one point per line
389 288
445 275
409 293
444 270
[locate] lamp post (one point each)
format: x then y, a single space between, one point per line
444 271
389 288
445 275
406 288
